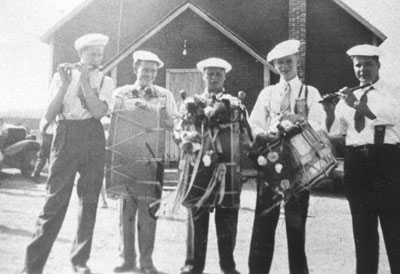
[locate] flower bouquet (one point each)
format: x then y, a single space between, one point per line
203 161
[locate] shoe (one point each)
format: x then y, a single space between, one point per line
188 269
35 178
125 267
81 269
30 272
233 271
149 270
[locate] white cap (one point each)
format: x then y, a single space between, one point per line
92 39
364 50
283 49
214 62
146 56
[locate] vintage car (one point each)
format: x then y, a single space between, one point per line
17 148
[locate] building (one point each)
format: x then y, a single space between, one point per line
183 32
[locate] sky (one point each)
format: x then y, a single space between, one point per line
25 60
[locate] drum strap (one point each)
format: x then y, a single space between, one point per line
305 99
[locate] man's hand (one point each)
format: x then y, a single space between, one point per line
348 96
329 102
65 73
84 70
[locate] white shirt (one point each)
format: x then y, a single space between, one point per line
72 106
266 112
383 101
170 104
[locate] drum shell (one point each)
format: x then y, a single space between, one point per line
136 147
229 140
312 155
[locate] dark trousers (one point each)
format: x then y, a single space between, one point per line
145 226
43 154
189 240
79 146
372 185
226 226
263 235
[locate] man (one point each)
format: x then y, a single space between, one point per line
226 215
145 66
47 131
274 102
82 95
371 118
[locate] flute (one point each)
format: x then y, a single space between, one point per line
336 95
71 66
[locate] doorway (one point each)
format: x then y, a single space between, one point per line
190 80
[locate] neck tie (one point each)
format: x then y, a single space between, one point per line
285 102
359 118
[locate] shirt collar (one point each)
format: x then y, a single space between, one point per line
294 82
137 86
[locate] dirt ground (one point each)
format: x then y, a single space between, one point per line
330 247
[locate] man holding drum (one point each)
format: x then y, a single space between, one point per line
82 95
226 211
274 102
145 66
370 117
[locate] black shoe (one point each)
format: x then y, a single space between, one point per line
149 270
188 269
125 267
35 178
25 271
233 271
81 269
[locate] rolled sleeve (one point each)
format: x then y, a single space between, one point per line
316 115
258 117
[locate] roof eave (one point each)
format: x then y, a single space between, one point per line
361 19
47 36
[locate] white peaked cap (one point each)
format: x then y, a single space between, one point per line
142 55
364 50
92 39
214 62
283 49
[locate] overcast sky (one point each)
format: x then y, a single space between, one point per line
25 62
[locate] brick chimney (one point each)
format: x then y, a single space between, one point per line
297 30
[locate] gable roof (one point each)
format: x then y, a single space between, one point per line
161 24
46 37
361 19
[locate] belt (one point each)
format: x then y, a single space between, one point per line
376 148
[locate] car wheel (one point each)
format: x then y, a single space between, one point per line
28 162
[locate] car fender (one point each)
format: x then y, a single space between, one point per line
20 146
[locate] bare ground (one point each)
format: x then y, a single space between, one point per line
330 247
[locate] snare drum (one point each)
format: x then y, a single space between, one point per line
312 155
298 159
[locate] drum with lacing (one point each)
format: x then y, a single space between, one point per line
136 146
296 160
211 176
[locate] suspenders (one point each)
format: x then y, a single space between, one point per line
301 107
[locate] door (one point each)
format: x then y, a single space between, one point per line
190 80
